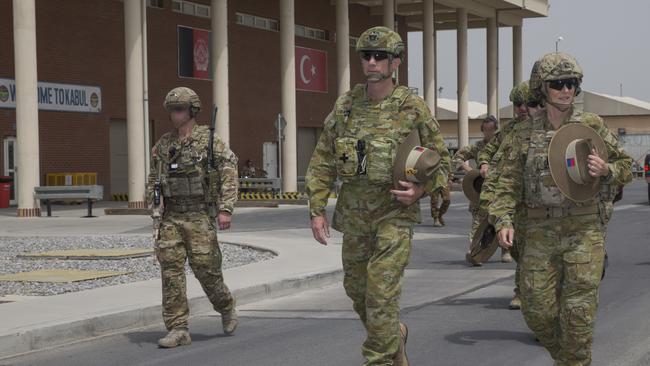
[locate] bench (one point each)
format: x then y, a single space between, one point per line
89 193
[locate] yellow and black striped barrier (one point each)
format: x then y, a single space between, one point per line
248 196
286 196
256 196
121 197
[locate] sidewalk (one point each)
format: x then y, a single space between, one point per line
33 323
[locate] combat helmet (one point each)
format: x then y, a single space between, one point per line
554 66
381 39
183 96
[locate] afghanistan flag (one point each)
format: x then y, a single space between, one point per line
194 53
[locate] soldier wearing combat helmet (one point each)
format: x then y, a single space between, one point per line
490 157
558 167
375 213
194 205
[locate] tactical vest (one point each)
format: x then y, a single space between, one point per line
184 177
539 188
367 137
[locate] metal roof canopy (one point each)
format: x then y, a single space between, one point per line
508 12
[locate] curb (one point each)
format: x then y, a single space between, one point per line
55 335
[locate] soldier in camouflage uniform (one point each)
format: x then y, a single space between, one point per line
562 261
438 211
358 146
192 209
460 160
489 158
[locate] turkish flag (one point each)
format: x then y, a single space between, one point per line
311 70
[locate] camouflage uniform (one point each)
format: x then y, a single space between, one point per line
188 227
445 194
470 152
562 261
491 155
377 229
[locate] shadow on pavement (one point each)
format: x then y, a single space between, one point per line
493 303
469 338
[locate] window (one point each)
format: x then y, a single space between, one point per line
188 8
254 21
155 4
203 11
313 33
191 8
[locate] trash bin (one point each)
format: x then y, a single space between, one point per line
5 190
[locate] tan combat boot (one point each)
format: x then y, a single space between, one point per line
515 303
400 357
436 223
441 221
505 256
229 320
176 337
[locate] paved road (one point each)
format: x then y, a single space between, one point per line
457 314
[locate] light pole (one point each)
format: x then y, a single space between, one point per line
280 124
558 40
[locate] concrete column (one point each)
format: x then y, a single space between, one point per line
342 46
134 103
27 146
389 14
429 55
145 90
463 93
288 86
492 66
219 61
517 64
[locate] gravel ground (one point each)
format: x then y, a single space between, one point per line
142 268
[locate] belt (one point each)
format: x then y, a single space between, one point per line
555 212
185 207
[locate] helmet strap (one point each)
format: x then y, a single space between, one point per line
388 74
562 107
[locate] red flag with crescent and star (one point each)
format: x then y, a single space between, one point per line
311 70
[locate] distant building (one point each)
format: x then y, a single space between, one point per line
627 117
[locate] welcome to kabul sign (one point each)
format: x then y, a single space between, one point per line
56 97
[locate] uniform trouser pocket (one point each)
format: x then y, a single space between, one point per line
389 258
205 259
171 255
583 267
538 290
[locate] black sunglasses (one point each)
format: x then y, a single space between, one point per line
177 108
560 84
377 55
532 104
